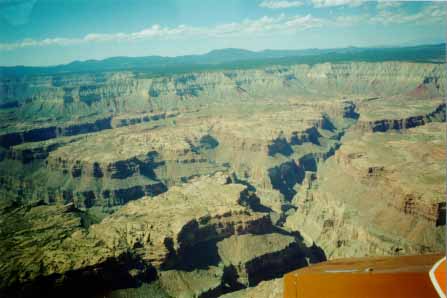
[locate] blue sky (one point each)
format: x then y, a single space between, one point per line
49 32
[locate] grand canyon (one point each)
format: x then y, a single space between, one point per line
216 178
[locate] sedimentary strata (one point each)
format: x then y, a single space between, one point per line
121 179
405 208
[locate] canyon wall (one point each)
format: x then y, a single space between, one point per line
122 179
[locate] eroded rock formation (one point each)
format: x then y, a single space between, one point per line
139 239
122 178
405 200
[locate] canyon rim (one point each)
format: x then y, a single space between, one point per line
213 175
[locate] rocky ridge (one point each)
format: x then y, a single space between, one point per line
404 219
122 180
137 241
84 95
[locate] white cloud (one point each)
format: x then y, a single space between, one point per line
349 20
280 4
280 24
330 3
433 12
386 4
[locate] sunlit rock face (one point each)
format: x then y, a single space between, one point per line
78 95
381 194
120 179
142 238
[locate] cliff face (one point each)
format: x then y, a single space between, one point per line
405 205
117 165
260 257
117 179
140 238
73 96
437 114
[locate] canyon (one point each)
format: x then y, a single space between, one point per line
215 183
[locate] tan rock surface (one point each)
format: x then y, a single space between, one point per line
382 194
138 154
261 257
266 289
192 284
205 209
50 240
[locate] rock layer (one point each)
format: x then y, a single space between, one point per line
261 257
140 236
405 200
112 180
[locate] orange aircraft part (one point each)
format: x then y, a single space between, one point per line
373 277
438 277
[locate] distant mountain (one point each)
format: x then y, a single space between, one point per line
237 58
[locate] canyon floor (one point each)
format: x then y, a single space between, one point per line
215 184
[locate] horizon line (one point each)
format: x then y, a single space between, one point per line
221 49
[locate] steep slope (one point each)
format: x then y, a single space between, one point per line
102 169
57 99
56 248
203 183
381 194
